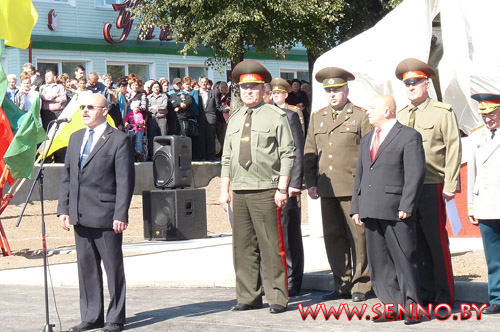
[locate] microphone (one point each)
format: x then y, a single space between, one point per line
59 121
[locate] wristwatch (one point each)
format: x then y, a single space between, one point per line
282 191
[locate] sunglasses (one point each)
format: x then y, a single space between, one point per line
89 107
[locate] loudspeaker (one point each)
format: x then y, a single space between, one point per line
172 161
177 214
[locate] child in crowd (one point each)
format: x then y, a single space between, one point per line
134 122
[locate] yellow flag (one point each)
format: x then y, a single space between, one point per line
17 19
62 138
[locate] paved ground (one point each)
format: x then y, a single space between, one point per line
201 309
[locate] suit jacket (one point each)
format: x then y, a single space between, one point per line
102 190
208 113
298 142
394 180
331 150
483 180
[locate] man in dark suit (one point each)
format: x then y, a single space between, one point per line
291 212
94 196
207 106
389 179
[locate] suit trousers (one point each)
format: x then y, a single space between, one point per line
490 232
256 238
434 260
343 240
207 141
392 256
92 246
294 248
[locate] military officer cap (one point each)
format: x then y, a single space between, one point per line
488 102
411 71
280 85
333 77
249 72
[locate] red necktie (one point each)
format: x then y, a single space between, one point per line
376 143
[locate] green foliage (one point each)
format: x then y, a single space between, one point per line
231 27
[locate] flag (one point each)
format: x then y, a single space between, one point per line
5 139
14 114
64 132
20 157
17 19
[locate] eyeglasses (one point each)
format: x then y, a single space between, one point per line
89 107
492 115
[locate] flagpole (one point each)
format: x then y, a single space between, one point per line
4 176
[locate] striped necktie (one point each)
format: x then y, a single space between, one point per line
87 148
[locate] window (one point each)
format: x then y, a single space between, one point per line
59 67
106 3
290 75
192 71
117 70
69 2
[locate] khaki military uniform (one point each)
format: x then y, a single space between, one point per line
256 238
437 124
330 158
298 110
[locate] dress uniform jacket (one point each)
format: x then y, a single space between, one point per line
483 174
331 150
437 124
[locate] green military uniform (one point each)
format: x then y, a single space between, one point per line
256 238
330 158
437 124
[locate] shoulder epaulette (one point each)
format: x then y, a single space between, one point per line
320 110
233 113
358 108
476 129
277 109
406 107
293 108
442 105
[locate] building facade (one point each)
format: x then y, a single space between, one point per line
85 32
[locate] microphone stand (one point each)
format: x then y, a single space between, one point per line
39 178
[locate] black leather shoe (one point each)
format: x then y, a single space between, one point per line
413 321
276 309
84 326
492 309
358 297
243 307
293 292
112 327
335 295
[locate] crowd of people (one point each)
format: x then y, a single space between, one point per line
185 106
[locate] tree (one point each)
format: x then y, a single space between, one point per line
230 28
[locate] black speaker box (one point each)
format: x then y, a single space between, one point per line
172 161
177 214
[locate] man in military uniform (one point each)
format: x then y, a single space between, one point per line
280 91
257 162
483 189
291 213
437 124
330 158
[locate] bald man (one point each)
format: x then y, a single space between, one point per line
94 197
389 179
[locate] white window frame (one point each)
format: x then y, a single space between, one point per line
106 7
151 64
71 3
59 61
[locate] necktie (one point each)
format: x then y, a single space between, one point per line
376 143
493 131
245 158
87 148
411 122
